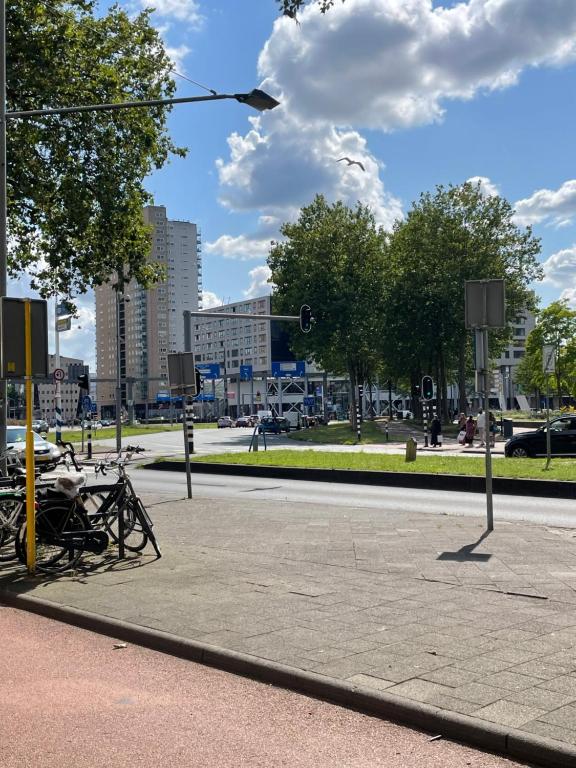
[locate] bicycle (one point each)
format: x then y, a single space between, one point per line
117 509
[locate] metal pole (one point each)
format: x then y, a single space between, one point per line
252 410
548 435
489 507
280 407
187 447
390 399
3 223
118 374
89 454
58 385
30 473
358 407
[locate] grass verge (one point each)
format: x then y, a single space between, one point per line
106 433
560 469
343 434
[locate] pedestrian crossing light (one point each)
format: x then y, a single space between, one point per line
427 388
305 318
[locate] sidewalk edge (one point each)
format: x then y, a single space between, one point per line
509 742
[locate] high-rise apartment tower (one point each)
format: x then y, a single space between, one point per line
150 323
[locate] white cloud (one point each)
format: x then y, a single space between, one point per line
570 296
378 64
259 285
210 300
557 206
487 187
389 64
560 268
182 10
241 247
177 55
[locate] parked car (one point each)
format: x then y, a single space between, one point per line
107 422
533 444
40 425
46 454
225 421
244 421
276 425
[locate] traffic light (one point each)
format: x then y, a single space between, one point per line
305 318
198 381
427 388
84 381
416 390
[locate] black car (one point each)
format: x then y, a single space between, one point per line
533 444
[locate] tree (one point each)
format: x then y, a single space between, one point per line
334 259
291 7
556 326
453 235
75 181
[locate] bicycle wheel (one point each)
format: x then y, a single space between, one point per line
104 516
145 522
12 511
60 533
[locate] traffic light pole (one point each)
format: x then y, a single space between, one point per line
489 505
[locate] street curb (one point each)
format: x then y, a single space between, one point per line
509 742
557 489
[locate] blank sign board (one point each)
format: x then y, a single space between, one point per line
13 350
181 372
485 302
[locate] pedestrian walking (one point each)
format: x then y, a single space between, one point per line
470 431
461 422
481 425
435 430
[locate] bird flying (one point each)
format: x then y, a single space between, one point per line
351 162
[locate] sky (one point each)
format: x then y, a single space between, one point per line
422 92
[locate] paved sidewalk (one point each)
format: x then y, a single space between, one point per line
424 607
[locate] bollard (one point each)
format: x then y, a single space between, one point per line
411 449
386 431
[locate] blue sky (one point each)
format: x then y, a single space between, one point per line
421 92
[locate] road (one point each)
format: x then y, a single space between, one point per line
79 700
558 512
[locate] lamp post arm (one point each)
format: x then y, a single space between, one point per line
124 105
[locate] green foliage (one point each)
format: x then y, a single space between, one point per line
557 326
334 259
453 235
291 7
75 181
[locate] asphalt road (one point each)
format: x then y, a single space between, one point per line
75 699
558 512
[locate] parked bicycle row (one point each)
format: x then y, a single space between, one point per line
73 517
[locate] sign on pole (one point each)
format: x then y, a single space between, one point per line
292 368
485 307
12 344
182 373
549 358
59 374
63 324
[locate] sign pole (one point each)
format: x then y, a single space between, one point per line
57 382
187 446
548 436
489 500
30 469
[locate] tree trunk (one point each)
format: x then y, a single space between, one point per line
352 399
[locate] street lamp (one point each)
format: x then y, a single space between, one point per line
256 99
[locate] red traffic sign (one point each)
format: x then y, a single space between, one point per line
59 374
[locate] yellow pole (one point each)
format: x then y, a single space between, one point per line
30 473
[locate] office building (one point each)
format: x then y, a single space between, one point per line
46 406
150 321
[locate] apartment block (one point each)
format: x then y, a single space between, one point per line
148 324
46 404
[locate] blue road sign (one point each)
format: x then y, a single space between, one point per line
87 403
204 398
294 369
209 370
163 397
309 402
246 372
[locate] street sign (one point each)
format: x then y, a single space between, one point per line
246 372
87 403
293 368
63 324
309 402
205 398
63 308
59 374
209 370
163 397
485 304
549 358
12 342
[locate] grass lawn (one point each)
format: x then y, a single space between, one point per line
343 434
75 436
560 469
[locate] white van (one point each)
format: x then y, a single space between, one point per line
295 419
